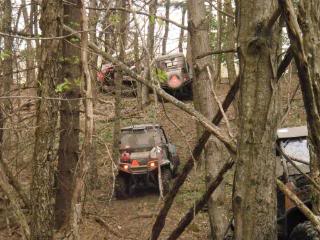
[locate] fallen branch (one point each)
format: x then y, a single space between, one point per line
302 207
193 211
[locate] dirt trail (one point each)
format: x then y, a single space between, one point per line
108 218
133 218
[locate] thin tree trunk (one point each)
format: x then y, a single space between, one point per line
218 60
310 16
229 44
93 17
84 163
204 103
30 80
68 152
254 198
121 42
150 47
166 30
47 113
7 183
181 36
138 67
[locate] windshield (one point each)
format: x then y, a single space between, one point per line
139 139
171 64
296 148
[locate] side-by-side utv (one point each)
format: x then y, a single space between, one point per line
292 224
144 152
178 80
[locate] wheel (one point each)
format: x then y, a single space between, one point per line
121 187
166 178
304 231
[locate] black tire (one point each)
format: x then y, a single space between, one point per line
121 187
166 177
304 231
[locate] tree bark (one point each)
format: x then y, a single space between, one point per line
218 60
84 163
137 62
254 198
150 48
30 79
68 152
47 113
121 43
8 183
230 42
93 16
215 155
310 19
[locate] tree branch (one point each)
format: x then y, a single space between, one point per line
216 52
302 207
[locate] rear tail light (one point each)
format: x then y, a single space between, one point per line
125 157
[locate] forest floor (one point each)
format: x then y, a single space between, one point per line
108 218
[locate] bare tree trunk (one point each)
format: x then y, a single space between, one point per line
181 36
47 113
7 183
138 67
150 47
166 30
121 42
30 80
254 198
310 17
68 153
204 102
84 163
230 42
93 18
219 42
